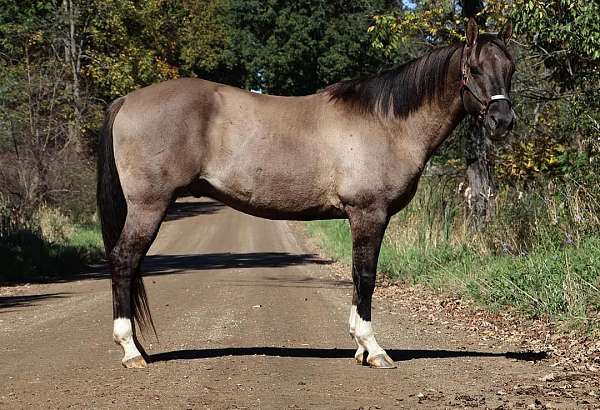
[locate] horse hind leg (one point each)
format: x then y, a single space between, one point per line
129 298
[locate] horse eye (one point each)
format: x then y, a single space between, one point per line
474 70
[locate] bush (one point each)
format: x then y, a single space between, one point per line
55 227
46 246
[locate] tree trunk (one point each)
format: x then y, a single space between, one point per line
481 189
73 61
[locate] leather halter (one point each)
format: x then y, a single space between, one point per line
467 84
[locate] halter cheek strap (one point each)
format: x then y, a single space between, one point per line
466 84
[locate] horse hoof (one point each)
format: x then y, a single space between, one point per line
381 361
137 362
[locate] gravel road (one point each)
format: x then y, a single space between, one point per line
248 316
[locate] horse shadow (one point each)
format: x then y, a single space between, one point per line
17 301
398 355
165 264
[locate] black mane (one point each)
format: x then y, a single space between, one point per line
400 90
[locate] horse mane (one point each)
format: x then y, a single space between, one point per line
399 90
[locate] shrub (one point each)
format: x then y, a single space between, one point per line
55 227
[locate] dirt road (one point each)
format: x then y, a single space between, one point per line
249 317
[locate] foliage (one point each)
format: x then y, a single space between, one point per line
202 36
562 47
55 227
45 244
295 48
567 32
25 255
274 46
40 118
130 45
429 23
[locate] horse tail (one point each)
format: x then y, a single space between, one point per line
113 212
109 194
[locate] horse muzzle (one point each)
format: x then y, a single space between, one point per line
500 119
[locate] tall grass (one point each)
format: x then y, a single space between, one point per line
540 254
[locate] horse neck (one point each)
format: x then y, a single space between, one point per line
426 128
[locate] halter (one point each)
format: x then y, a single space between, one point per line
466 84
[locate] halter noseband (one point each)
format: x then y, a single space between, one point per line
466 84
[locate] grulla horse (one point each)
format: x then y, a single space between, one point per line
355 150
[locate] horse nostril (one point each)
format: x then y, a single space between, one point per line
493 122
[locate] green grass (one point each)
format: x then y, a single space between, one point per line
26 255
86 236
560 282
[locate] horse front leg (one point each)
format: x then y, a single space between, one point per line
368 227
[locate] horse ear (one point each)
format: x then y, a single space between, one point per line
506 32
472 32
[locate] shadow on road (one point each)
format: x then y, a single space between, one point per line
293 282
172 264
160 264
180 210
27 300
396 354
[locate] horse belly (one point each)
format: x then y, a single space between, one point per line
275 193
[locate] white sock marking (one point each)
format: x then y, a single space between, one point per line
366 338
352 327
352 320
123 335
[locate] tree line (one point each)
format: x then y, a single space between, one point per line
63 61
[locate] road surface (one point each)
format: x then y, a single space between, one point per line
247 317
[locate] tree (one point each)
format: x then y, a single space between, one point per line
130 46
39 126
481 178
563 39
294 48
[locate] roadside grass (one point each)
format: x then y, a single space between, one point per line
27 256
535 258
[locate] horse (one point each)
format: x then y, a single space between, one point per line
355 151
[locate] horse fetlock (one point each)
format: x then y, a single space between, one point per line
123 336
365 338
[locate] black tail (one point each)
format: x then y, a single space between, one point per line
113 211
